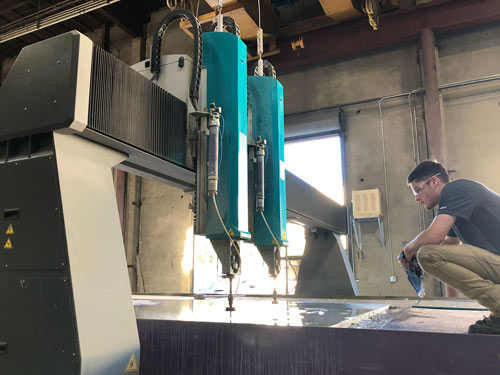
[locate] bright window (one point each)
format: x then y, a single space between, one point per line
318 162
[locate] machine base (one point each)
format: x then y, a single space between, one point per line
201 347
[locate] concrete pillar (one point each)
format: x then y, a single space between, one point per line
433 122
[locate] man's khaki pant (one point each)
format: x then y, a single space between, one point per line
473 271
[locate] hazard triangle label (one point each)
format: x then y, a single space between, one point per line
132 364
8 244
10 230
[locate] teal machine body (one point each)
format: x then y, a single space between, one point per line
266 101
224 56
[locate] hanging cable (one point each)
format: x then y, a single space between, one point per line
221 138
233 244
171 4
416 158
371 8
259 71
277 244
194 88
391 255
266 66
258 4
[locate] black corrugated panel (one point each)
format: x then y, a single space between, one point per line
128 107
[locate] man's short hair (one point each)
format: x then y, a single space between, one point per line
427 169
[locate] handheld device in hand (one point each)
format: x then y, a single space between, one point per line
415 275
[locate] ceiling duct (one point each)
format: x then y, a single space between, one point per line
344 10
340 10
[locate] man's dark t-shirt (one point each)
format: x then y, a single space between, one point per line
477 210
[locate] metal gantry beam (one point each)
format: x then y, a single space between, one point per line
308 206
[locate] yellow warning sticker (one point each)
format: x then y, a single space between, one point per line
132 364
284 235
10 230
230 231
8 244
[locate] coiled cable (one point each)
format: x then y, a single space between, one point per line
194 88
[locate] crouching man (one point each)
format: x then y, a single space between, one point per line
461 247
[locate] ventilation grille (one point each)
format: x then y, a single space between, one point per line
128 107
366 203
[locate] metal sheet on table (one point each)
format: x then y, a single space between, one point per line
252 310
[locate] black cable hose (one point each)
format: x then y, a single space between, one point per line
194 88
271 72
357 4
230 23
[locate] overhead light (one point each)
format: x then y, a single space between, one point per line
27 25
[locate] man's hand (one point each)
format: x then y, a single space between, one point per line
435 234
409 253
404 263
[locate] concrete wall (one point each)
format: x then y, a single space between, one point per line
471 115
124 47
165 240
384 73
160 252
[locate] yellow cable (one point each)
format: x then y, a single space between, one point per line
171 4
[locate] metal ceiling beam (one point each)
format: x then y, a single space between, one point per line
52 30
51 3
51 19
30 39
9 5
44 34
73 24
25 39
357 36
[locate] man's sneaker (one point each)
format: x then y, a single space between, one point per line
487 326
